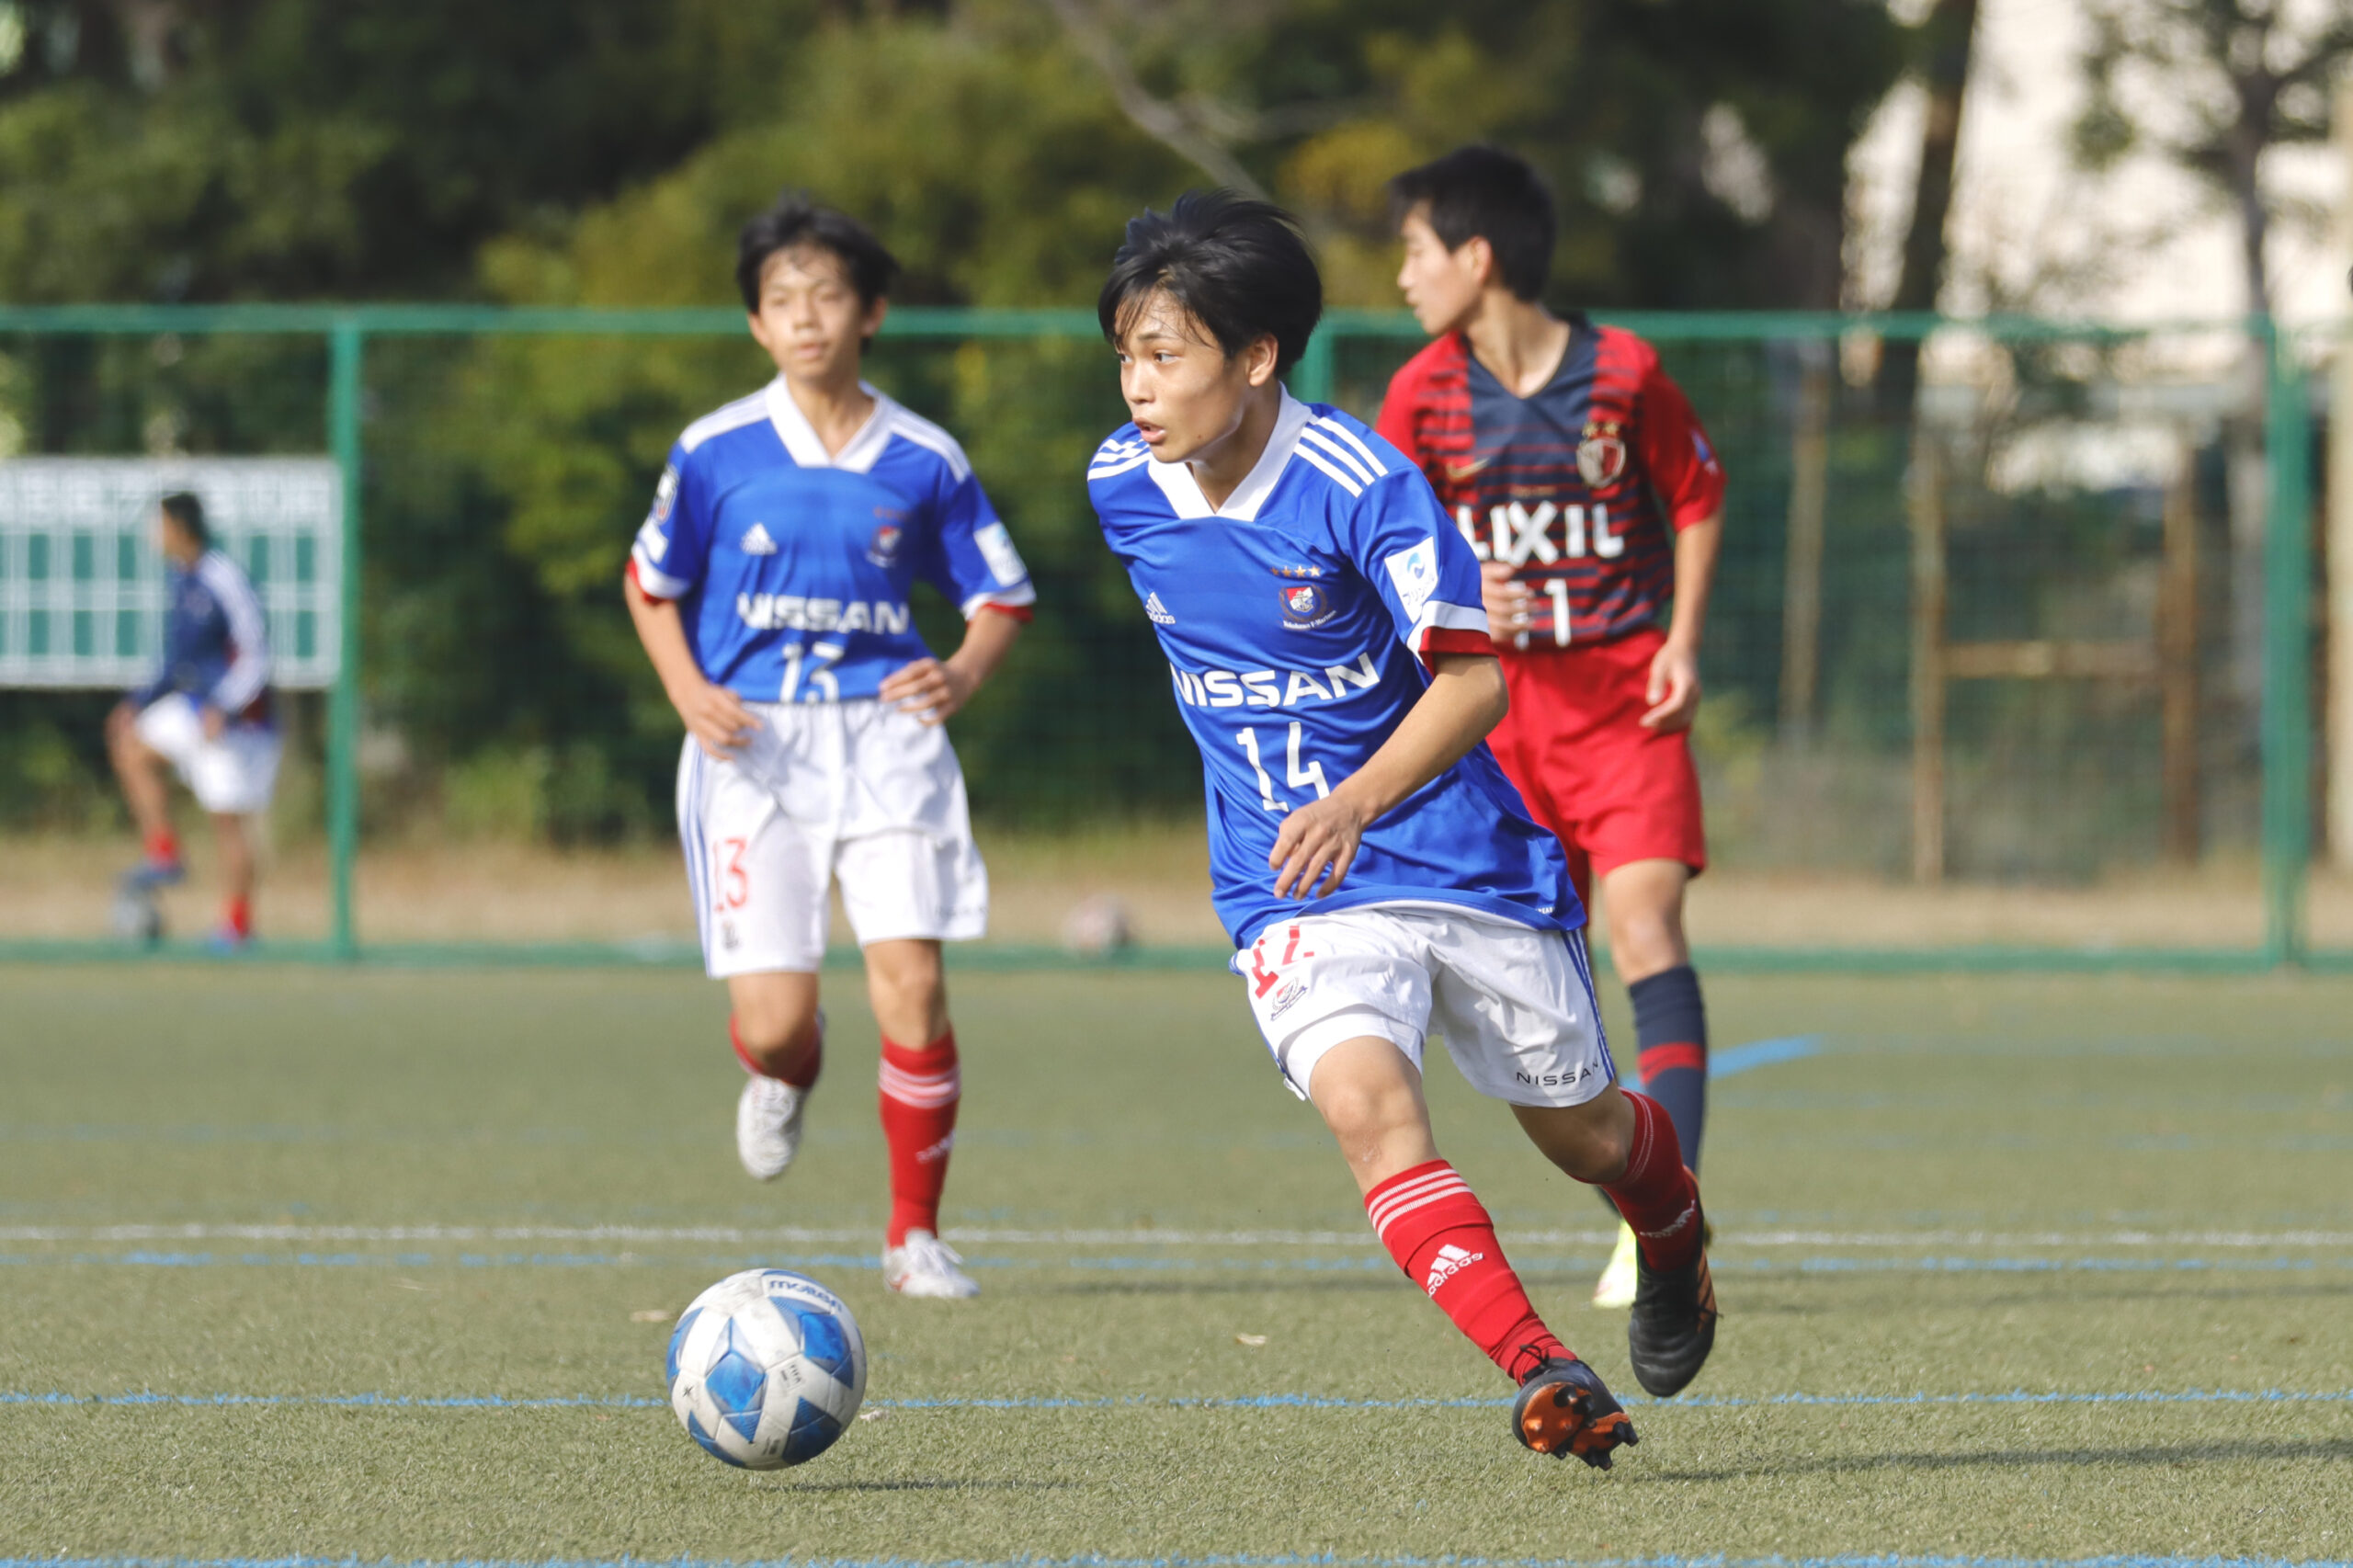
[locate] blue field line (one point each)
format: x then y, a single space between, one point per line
1181 1402
1214 1560
1312 1264
1371 1263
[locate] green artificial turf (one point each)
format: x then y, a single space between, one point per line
297 1186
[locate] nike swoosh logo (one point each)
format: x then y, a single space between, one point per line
1458 471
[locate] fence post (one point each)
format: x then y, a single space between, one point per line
345 340
1311 382
2286 741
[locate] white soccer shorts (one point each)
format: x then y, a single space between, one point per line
233 775
1515 1005
858 791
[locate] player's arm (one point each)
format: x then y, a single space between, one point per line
248 669
933 690
1408 549
1674 693
1683 466
715 716
974 563
1465 700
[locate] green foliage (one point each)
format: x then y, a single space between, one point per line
604 152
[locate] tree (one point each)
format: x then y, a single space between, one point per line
2210 85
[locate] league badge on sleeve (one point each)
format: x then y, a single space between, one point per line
1601 456
665 492
1413 570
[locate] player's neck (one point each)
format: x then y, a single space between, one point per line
1519 342
836 408
1221 466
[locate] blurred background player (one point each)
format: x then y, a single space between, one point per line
1577 471
1321 624
207 713
770 586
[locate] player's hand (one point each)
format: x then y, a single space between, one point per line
1674 693
214 721
717 721
929 689
1507 604
1322 833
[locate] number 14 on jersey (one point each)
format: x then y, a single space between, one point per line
1297 775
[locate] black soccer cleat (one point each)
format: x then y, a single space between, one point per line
1673 1326
1563 1409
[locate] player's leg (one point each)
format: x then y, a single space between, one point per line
236 850
1644 903
139 766
758 880
921 1085
1521 1022
233 775
911 878
1344 1003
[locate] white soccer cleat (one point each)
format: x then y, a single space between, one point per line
1616 1286
925 1266
768 1125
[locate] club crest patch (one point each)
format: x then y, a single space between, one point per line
1305 606
1601 454
884 548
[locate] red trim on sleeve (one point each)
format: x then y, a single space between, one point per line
638 583
1022 613
1451 640
1674 449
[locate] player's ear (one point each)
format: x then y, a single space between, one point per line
1478 258
872 322
1259 358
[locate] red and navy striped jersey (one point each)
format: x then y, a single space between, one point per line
1576 487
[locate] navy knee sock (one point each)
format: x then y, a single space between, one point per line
1671 1033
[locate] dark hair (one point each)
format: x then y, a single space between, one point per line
1485 193
796 221
187 511
1237 266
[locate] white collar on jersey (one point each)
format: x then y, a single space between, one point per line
800 437
1184 491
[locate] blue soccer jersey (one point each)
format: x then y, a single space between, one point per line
1298 620
792 567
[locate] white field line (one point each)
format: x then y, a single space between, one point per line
1727 1237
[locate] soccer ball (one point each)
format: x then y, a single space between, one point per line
766 1368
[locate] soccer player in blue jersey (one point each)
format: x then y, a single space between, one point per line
770 586
207 713
1325 639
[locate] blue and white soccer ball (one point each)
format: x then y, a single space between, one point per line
767 1366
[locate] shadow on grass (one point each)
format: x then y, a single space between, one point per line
799 1486
1322 1285
2184 1456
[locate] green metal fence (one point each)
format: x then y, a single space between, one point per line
2048 753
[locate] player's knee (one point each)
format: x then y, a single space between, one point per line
1355 1111
1644 941
776 1034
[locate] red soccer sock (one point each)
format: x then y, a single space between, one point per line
1441 1235
802 1077
1658 1196
919 1093
163 847
237 916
